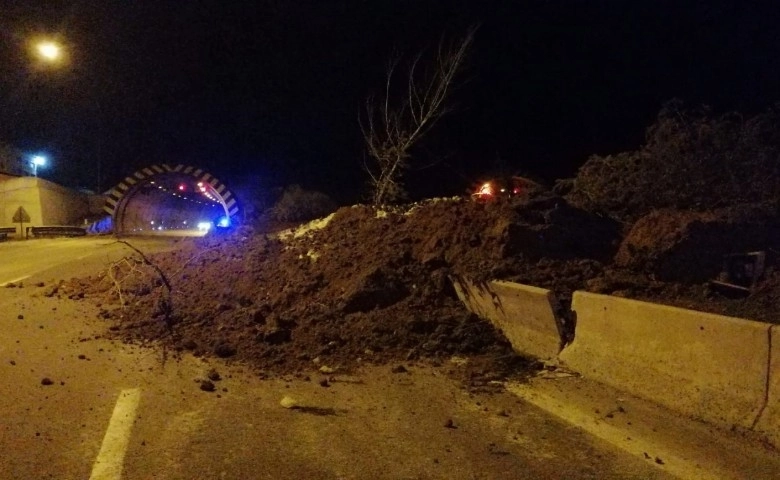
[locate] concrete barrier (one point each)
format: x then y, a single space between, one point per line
769 422
709 366
525 314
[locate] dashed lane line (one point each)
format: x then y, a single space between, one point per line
110 460
14 280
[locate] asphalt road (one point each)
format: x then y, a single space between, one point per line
77 406
21 259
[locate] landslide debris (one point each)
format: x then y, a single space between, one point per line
374 285
362 285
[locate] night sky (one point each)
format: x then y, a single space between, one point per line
269 91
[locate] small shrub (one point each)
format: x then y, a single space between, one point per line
299 205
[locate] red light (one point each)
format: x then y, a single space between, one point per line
182 187
486 189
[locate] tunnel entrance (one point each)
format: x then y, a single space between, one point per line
160 199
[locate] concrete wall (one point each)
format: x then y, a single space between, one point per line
45 202
18 192
96 204
524 314
705 365
722 370
769 422
62 206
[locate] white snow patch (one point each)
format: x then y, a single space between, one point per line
306 228
413 207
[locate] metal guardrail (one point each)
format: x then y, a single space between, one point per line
56 231
5 231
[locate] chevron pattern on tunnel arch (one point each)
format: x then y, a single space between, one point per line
116 194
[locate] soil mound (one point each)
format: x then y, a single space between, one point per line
686 246
364 284
373 285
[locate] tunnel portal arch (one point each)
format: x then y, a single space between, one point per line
118 195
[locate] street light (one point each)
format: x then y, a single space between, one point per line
48 52
37 161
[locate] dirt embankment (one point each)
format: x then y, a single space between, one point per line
373 285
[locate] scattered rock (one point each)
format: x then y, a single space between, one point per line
207 386
51 290
47 381
326 369
214 375
399 369
377 289
449 424
289 402
224 350
20 317
277 336
324 382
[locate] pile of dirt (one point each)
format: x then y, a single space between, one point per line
373 285
688 247
361 285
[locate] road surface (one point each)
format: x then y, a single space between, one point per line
75 405
21 259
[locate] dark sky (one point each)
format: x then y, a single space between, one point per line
269 90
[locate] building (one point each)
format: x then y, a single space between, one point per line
29 201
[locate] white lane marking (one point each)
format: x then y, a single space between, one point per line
14 280
673 464
110 461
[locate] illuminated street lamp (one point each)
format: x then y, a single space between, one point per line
37 161
48 52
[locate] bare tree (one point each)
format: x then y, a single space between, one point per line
398 119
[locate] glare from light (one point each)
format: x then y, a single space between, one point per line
37 161
49 51
204 226
224 222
